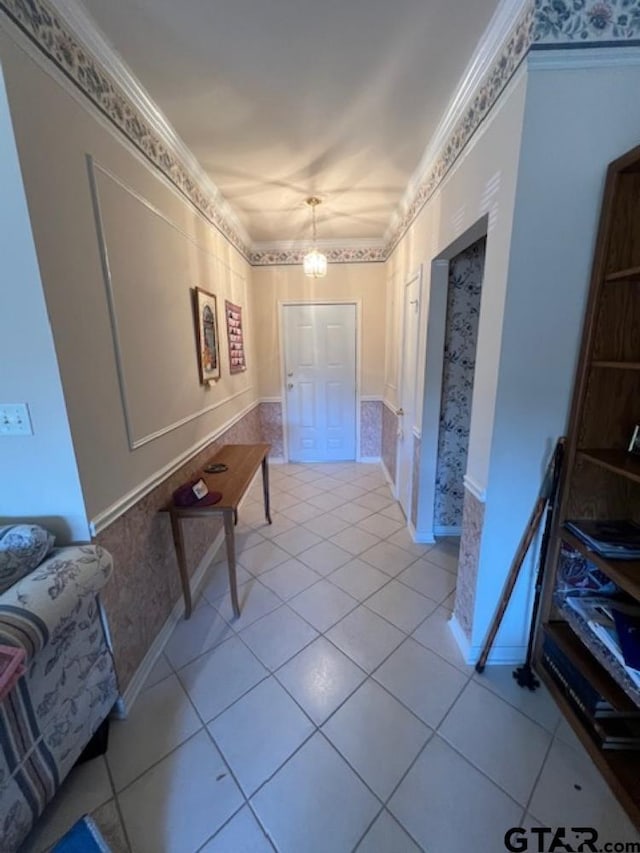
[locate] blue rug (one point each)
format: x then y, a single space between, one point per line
83 837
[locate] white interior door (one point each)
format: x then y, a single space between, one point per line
320 382
408 384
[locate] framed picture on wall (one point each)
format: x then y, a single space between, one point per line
207 335
235 337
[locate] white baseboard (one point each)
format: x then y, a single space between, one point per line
447 530
369 460
276 460
505 655
128 698
389 479
421 537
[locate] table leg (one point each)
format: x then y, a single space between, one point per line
178 541
229 538
265 488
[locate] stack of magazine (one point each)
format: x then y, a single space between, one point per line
614 540
602 616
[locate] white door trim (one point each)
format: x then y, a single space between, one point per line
282 304
408 428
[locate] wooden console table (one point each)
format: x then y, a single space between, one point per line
242 461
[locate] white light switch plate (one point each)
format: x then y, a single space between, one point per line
14 419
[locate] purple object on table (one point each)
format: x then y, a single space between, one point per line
185 496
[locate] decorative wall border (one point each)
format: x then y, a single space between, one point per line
538 24
38 20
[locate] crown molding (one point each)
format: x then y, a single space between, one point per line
66 35
90 35
485 54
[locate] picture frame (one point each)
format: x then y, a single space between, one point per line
206 316
235 337
634 444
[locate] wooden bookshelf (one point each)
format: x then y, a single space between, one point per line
630 274
619 461
624 573
600 479
574 648
617 365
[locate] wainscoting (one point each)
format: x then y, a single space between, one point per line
145 584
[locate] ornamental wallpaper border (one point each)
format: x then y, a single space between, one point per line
543 24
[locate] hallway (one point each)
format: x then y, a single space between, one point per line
336 714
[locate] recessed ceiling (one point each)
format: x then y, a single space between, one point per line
281 99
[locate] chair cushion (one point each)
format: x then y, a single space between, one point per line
22 548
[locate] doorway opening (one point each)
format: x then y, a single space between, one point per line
452 336
466 272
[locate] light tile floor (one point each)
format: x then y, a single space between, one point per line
337 713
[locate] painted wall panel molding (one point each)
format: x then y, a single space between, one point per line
103 519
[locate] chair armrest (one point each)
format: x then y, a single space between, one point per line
32 609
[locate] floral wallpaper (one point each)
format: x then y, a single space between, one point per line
371 428
466 271
389 440
576 21
271 426
144 562
472 521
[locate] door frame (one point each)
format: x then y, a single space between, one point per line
284 303
416 275
434 364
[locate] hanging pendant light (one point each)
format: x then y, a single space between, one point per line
314 262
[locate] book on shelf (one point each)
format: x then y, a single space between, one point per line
614 540
618 733
598 612
612 728
573 683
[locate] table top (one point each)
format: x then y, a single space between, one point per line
242 461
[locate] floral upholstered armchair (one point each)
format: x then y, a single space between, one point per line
68 687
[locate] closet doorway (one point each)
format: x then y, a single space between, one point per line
452 337
464 289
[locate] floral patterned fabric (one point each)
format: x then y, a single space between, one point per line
22 548
463 312
68 690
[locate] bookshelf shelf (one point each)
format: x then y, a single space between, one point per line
599 483
596 649
619 461
629 274
574 648
624 573
617 365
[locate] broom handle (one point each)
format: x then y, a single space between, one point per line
512 577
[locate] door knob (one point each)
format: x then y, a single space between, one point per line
290 374
290 386
400 413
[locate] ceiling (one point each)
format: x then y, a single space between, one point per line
281 99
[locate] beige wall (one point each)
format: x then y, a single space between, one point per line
159 247
482 182
39 475
364 282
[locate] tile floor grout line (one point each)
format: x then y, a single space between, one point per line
511 705
538 777
476 767
117 803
